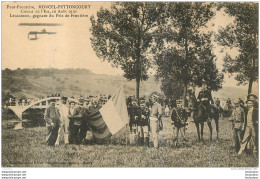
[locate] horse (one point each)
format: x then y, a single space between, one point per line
201 115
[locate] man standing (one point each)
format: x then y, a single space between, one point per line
238 116
93 109
52 118
250 139
84 125
74 124
64 111
179 118
135 115
143 126
155 114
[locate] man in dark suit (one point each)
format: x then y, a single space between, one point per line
83 113
75 119
179 119
52 118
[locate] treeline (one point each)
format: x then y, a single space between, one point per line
38 72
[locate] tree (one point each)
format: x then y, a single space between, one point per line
243 34
123 36
207 64
182 49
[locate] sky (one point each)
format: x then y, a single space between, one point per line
70 47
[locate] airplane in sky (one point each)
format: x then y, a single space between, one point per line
32 35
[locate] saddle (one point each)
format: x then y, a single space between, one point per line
200 113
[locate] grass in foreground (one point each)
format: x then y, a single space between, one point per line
26 148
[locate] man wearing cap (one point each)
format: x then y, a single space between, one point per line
155 114
52 118
135 116
179 118
143 125
237 117
205 96
250 139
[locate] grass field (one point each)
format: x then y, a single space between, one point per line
26 148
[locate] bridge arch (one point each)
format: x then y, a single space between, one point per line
18 110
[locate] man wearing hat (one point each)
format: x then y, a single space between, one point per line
237 117
179 118
250 139
83 113
75 123
205 96
253 97
155 114
94 106
52 118
64 110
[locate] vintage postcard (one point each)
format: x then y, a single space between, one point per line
130 84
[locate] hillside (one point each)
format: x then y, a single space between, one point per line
34 83
69 84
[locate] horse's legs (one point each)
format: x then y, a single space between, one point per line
217 126
198 129
202 126
210 129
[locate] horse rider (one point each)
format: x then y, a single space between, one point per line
179 120
143 126
205 97
155 115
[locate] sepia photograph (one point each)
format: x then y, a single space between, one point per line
129 84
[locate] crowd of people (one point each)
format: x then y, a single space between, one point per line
145 119
24 101
245 125
69 119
